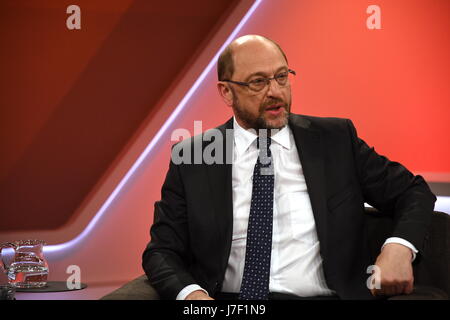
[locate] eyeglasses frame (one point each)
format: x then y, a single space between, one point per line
267 80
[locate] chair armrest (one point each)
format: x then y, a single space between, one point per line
422 293
137 289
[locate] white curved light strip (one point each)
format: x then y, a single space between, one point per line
162 130
442 204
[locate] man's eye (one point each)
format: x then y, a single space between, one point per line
258 81
281 75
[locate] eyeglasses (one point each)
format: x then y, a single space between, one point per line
260 83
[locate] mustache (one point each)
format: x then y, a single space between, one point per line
273 102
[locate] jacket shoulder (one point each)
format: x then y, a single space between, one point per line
323 124
205 137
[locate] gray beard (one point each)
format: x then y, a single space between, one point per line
259 122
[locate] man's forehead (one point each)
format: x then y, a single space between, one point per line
257 58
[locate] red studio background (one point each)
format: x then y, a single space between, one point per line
78 107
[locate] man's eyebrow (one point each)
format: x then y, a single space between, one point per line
263 74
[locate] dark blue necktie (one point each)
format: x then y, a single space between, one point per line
255 280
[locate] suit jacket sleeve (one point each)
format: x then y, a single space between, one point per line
166 259
390 187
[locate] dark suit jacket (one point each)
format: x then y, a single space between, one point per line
192 230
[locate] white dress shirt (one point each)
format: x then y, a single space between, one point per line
296 264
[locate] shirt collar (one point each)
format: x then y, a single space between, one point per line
282 137
244 138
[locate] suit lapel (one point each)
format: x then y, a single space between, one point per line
219 176
310 149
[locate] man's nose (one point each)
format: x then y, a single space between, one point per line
274 89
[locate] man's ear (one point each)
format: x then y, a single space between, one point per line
226 93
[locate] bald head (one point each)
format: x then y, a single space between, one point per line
226 63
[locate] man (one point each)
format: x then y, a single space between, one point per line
310 242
